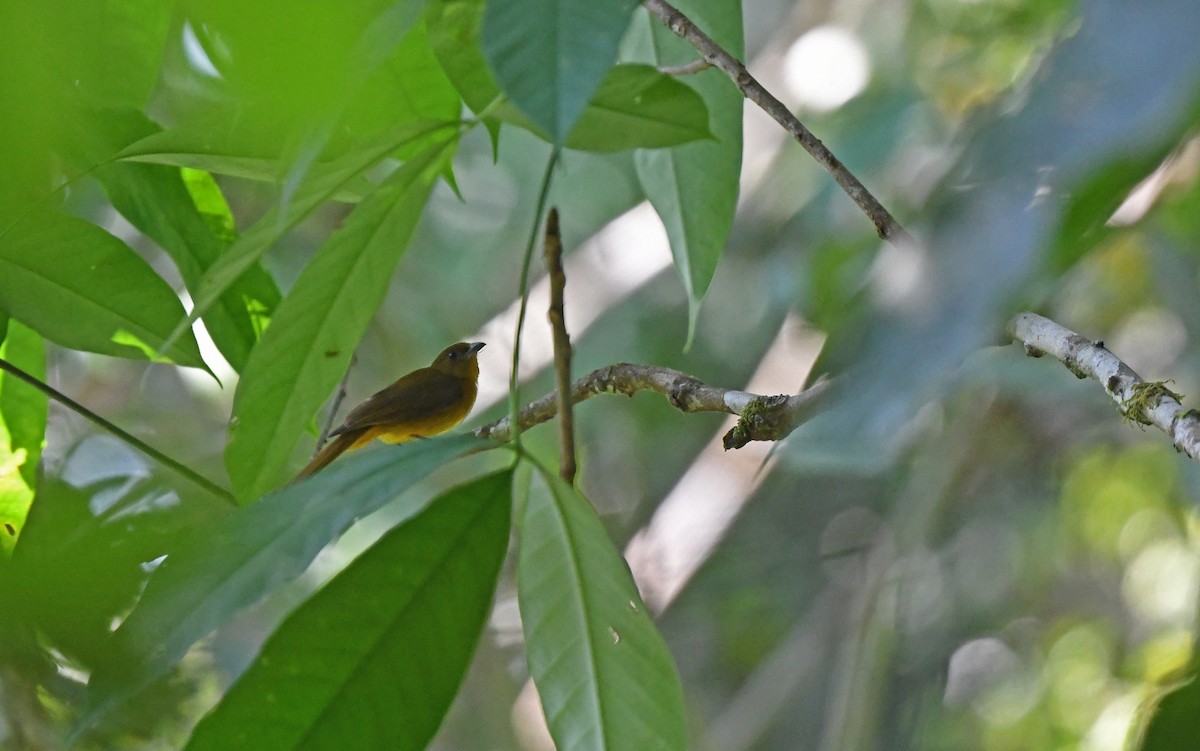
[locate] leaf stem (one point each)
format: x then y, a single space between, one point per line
514 403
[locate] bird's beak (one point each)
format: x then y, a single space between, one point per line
474 347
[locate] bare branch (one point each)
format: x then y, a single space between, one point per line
1139 401
562 347
764 418
885 224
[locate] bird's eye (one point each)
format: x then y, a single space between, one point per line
453 355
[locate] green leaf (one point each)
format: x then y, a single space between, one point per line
223 568
635 106
80 287
694 187
322 182
158 201
1175 722
409 86
317 327
395 629
638 107
455 27
22 429
550 56
605 676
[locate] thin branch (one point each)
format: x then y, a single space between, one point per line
338 397
764 418
562 347
128 438
687 69
1139 401
885 224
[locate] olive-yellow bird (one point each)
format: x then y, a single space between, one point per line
423 403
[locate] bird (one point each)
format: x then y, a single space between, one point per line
423 403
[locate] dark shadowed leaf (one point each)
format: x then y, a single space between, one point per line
223 568
380 651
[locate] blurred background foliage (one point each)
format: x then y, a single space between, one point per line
1004 563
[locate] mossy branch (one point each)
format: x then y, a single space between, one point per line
764 418
1139 401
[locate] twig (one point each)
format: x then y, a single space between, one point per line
338 397
764 418
686 69
885 224
1140 402
562 347
132 440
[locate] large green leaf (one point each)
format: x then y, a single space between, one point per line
53 56
226 147
22 429
604 674
392 79
323 181
635 106
157 200
223 568
317 327
384 646
694 187
79 286
550 56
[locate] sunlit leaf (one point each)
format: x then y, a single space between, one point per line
23 411
158 201
79 286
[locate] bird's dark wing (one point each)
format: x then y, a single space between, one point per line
417 395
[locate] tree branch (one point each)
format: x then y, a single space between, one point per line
1141 402
764 418
562 347
885 224
687 69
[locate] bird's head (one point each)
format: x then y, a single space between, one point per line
459 360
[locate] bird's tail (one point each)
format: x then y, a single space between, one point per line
332 450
